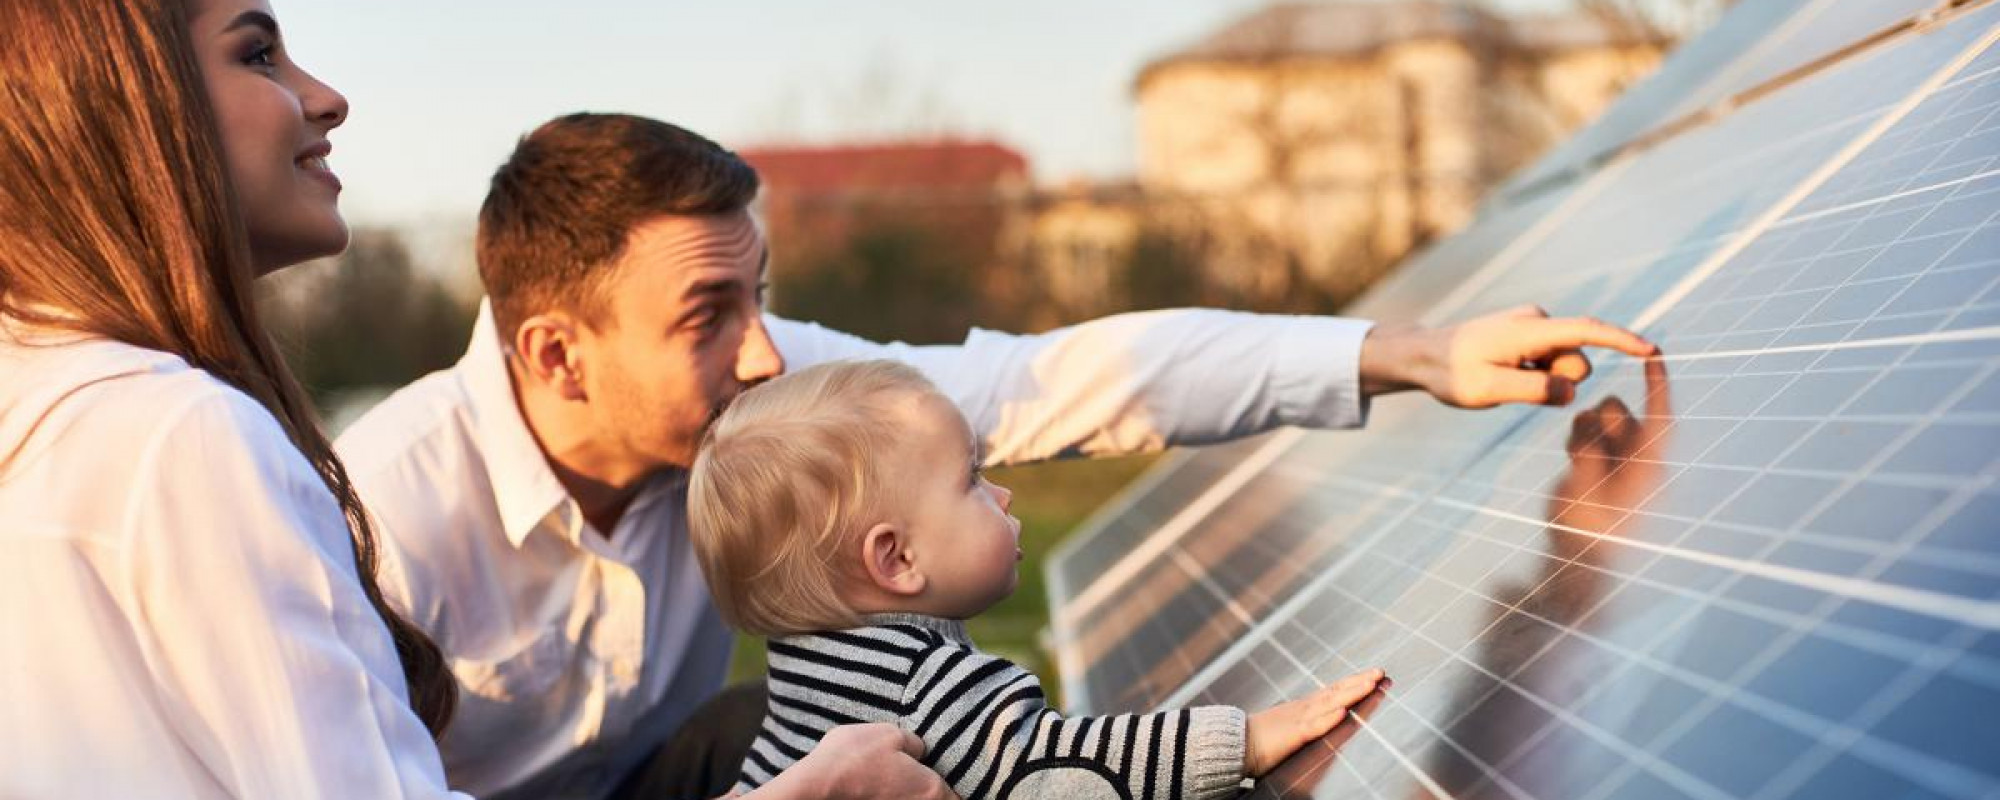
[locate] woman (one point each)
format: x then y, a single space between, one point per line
187 581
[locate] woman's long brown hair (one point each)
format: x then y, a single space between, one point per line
115 209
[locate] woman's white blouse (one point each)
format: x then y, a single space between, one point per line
178 596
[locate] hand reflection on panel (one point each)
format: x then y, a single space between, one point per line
1614 466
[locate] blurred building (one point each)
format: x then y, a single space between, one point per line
1305 148
897 240
817 198
1080 239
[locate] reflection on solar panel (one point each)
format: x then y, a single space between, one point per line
1764 565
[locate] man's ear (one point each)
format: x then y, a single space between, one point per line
549 353
885 555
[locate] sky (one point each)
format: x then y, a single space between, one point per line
440 91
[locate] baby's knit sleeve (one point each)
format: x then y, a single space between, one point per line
988 729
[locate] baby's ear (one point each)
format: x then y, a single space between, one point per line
885 554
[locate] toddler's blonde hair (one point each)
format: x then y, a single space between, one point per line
786 479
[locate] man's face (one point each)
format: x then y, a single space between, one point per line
683 333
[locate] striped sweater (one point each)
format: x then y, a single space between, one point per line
985 725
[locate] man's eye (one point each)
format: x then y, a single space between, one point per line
706 323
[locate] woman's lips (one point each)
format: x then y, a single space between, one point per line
315 166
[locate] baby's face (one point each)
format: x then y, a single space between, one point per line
960 533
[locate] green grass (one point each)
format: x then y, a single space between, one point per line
1050 500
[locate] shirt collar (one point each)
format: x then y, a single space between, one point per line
524 487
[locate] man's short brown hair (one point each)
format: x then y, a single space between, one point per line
560 210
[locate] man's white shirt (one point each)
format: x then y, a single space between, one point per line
579 653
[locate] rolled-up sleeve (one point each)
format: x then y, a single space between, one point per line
1128 383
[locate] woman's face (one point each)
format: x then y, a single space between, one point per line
274 119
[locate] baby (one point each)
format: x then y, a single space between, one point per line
841 512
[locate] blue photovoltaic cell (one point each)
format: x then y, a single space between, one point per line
1765 565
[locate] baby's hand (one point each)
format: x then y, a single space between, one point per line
1275 734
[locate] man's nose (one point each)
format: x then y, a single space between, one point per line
1003 495
758 359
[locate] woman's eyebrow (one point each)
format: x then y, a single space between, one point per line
256 19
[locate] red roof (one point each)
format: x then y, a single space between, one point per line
912 165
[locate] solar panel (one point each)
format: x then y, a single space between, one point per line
1765 565
1753 44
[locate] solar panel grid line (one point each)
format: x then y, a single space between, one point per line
1380 494
1261 628
1844 737
1914 681
1639 655
1071 674
1989 564
1126 497
1285 562
1973 277
1876 465
1528 520
1811 727
1799 195
1531 521
1200 574
1819 177
1835 735
1201 577
1300 599
1402 759
1690 70
1914 24
1508 681
1727 175
1943 606
1609 176
1720 108
1858 308
1888 181
1537 521
1107 584
1217 632
1688 783
1509 256
1940 337
1874 641
1900 195
1868 469
1183 471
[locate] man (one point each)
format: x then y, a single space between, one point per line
532 496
